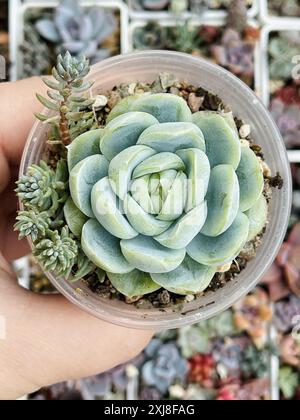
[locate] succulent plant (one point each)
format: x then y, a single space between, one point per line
255 363
154 195
285 313
282 49
284 275
202 370
78 30
57 253
253 314
197 338
235 54
67 98
164 367
31 223
290 351
285 7
287 117
35 52
288 381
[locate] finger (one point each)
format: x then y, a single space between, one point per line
59 340
19 104
11 246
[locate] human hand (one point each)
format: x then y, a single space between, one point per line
47 339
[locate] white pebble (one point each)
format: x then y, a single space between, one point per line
100 101
224 268
245 131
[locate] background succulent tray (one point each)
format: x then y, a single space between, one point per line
257 331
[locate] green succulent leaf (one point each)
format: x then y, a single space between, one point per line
189 278
149 256
182 232
250 178
82 179
258 216
122 166
74 217
85 145
222 142
133 284
124 131
103 249
106 210
222 200
223 248
170 137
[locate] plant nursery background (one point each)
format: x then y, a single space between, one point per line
252 351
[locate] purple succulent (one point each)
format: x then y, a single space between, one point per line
78 30
287 117
235 54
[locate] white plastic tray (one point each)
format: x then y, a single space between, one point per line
266 17
210 14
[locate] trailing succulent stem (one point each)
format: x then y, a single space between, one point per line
73 108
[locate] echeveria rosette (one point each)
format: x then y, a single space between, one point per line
163 198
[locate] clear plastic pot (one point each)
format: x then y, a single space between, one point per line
145 67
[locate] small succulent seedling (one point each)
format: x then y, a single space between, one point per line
158 198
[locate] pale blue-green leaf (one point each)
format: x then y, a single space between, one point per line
164 106
222 200
222 142
189 278
198 171
175 202
133 284
83 146
123 106
166 180
222 249
107 212
124 131
141 221
147 255
122 166
83 177
74 217
169 137
103 249
250 178
158 163
258 216
180 234
140 192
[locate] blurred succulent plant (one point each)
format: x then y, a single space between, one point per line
290 351
286 269
252 315
256 390
78 30
35 52
255 363
179 6
237 15
235 54
164 367
285 7
202 370
282 49
288 381
197 338
285 313
228 355
287 117
151 36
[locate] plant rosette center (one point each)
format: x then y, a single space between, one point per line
162 198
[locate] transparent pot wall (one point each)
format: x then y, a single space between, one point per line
245 105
